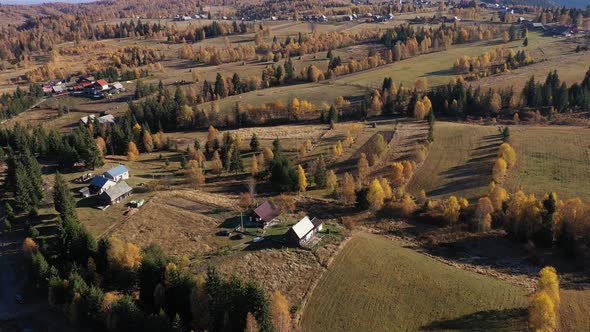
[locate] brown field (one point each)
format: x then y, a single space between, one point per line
183 223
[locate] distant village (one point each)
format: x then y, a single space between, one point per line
84 86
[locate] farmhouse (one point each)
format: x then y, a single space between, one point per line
99 184
109 118
303 231
117 173
100 85
115 194
265 214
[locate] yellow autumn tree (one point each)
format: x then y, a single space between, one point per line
348 188
483 214
123 254
268 154
397 174
254 167
427 104
499 170
194 174
387 192
450 209
132 152
362 168
216 165
408 169
507 153
549 282
101 145
30 246
376 195
544 305
542 315
498 196
419 110
301 178
211 134
331 181
349 139
281 318
408 206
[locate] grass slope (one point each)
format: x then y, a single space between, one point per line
551 159
459 161
375 284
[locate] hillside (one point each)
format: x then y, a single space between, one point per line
376 284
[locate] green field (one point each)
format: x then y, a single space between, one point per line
459 161
375 284
552 158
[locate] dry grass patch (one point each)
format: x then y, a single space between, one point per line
182 223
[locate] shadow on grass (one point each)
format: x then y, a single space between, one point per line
88 202
489 320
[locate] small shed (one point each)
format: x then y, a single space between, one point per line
109 118
87 119
115 194
84 192
265 214
99 184
117 173
304 230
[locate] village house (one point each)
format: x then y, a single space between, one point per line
108 118
100 85
99 184
304 230
115 194
265 214
117 173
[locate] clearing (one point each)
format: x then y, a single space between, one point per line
459 161
552 158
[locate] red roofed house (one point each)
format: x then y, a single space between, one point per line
265 214
101 85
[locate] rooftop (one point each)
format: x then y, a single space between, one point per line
116 171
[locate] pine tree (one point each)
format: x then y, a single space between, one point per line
24 192
220 86
236 164
320 172
254 143
63 200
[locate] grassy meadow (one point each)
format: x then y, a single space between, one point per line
459 161
375 284
551 159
